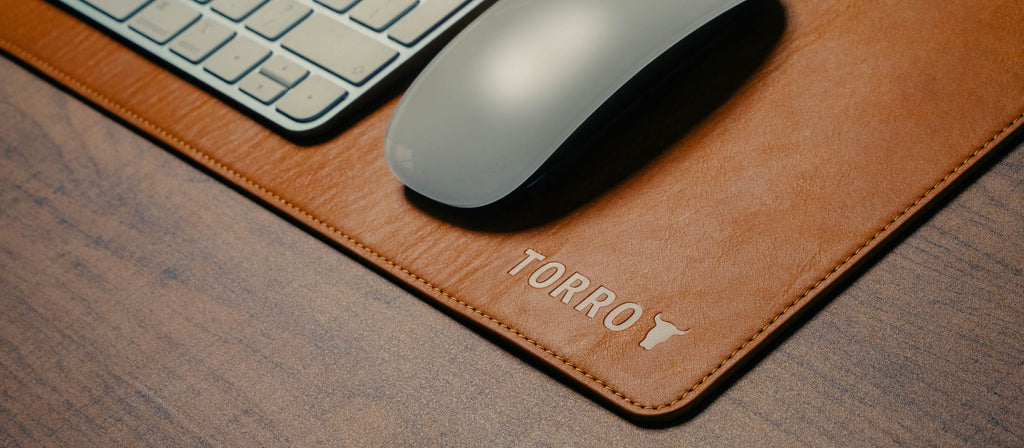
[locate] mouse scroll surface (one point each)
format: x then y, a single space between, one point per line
503 97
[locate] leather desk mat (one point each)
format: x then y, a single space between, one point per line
722 211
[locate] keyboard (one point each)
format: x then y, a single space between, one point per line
298 64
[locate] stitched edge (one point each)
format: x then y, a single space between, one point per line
15 49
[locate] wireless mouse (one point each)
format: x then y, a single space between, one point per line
486 116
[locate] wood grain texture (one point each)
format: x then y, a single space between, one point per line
144 303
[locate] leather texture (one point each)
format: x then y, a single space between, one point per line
728 209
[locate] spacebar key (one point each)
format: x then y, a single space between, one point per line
338 48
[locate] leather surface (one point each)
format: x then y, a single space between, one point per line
728 209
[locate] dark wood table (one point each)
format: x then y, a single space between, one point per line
143 302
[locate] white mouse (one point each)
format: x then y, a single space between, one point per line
500 100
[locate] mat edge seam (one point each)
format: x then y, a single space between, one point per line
54 71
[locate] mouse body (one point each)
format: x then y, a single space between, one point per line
496 104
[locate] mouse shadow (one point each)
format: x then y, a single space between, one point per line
651 114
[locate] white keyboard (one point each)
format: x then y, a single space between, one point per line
297 63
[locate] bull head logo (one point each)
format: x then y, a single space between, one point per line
660 333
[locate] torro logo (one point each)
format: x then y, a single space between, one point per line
618 318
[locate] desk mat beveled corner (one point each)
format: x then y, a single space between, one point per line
861 116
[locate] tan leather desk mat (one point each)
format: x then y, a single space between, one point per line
858 115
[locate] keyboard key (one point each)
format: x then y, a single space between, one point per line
236 58
423 20
337 5
236 9
262 88
276 17
163 19
379 14
347 52
283 70
200 39
310 99
118 9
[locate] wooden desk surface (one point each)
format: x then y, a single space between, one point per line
143 302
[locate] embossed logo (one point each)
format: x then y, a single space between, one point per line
661 332
568 288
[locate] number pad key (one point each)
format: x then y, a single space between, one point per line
236 10
200 39
337 5
379 14
276 17
163 19
423 20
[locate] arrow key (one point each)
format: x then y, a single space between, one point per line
310 99
236 58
